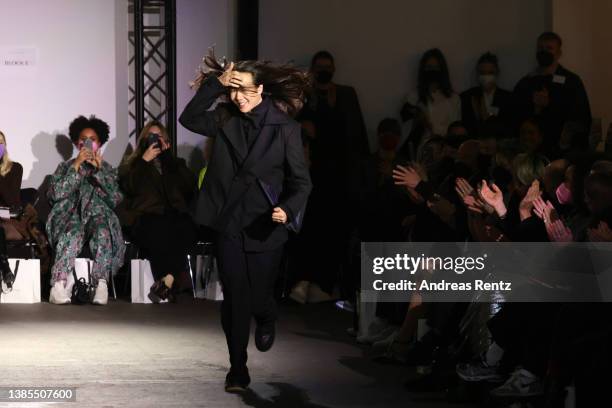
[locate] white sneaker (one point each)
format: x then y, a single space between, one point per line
386 342
299 293
101 296
521 383
479 371
59 294
317 295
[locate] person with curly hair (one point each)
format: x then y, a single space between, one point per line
255 190
83 193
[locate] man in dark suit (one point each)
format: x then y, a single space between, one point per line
256 186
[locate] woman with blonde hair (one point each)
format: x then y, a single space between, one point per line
11 174
158 188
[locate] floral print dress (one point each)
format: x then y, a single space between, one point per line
83 212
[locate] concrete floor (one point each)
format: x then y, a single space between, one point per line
174 355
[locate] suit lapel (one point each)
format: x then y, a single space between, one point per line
261 144
233 131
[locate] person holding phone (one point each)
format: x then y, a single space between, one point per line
255 190
159 188
83 193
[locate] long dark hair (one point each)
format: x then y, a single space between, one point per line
286 85
141 141
445 84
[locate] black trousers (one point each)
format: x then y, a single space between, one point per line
248 281
165 240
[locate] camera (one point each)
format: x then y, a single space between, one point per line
153 139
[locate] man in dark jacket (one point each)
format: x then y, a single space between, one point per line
255 188
555 97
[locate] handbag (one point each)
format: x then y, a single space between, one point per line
83 291
6 287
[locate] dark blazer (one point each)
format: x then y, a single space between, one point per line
503 100
146 191
231 199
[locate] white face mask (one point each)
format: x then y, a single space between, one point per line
487 80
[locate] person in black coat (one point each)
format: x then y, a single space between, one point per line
557 99
158 188
256 187
486 101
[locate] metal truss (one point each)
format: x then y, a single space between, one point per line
152 65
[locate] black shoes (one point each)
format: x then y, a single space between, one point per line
264 336
237 381
7 275
159 291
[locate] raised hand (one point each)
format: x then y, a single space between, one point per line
526 204
97 160
406 176
152 152
463 188
468 195
494 197
85 155
601 233
558 232
545 210
230 78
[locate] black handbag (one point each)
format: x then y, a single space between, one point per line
8 281
83 291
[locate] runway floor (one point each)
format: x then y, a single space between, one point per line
174 355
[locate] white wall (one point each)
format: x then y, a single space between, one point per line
75 73
377 45
200 25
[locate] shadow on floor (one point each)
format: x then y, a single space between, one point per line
289 396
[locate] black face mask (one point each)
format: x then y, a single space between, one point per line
432 77
545 58
324 77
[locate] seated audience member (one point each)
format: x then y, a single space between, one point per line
487 100
555 96
11 174
434 106
10 186
84 193
530 137
23 225
382 202
158 188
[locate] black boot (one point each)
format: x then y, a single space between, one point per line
159 291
